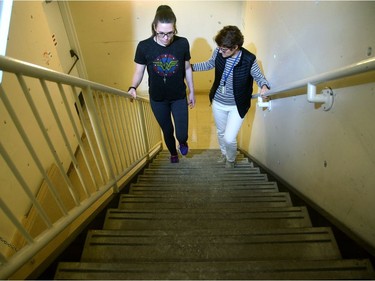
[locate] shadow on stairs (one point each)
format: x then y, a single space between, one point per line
199 220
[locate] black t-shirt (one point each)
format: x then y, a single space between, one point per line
165 67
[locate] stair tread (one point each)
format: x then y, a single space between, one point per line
207 218
269 199
190 178
200 171
225 270
199 220
211 197
171 187
196 165
209 245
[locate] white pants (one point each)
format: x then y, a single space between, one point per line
228 123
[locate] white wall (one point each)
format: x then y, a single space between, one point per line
327 156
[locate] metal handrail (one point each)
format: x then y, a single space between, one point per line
352 69
326 97
141 142
31 70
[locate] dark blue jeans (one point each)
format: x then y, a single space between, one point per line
163 111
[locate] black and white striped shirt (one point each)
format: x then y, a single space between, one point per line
227 97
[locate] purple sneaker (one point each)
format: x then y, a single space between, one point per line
183 148
174 159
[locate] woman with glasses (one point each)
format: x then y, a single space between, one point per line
166 57
235 71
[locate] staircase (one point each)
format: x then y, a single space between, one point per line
199 220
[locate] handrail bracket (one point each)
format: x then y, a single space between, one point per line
264 104
326 96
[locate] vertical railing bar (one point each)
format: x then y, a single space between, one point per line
147 124
111 134
86 130
99 136
144 127
149 129
62 132
130 128
24 186
15 221
104 124
128 149
47 138
76 165
31 150
76 132
136 129
121 126
126 130
99 97
116 130
153 124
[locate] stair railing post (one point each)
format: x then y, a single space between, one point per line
144 128
93 116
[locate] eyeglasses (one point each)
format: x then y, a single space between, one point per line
224 50
168 34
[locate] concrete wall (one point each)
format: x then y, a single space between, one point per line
329 157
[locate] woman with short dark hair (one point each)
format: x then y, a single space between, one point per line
235 71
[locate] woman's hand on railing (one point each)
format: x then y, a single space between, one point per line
263 92
133 92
